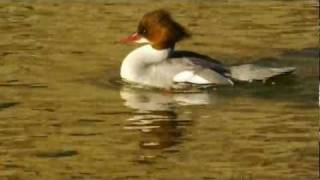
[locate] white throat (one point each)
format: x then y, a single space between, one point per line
138 62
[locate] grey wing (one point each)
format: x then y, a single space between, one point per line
202 60
199 71
251 72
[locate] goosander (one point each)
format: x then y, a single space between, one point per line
158 64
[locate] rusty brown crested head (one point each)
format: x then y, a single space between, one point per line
160 29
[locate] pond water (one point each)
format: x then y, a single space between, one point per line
65 114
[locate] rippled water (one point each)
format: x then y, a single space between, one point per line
64 112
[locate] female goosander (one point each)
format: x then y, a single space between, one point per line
157 64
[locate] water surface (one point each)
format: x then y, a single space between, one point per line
64 112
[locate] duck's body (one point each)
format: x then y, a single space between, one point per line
159 65
166 68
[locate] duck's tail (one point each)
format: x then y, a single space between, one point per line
252 72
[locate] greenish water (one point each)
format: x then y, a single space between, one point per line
64 113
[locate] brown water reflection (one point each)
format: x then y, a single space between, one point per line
64 112
157 117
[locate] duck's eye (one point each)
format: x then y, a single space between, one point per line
144 31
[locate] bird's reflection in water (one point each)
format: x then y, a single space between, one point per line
157 117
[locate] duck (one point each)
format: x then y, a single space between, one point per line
157 64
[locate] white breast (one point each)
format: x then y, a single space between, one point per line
137 66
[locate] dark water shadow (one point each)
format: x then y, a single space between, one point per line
17 84
56 154
8 105
306 52
284 91
303 57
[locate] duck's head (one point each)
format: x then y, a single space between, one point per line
158 29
